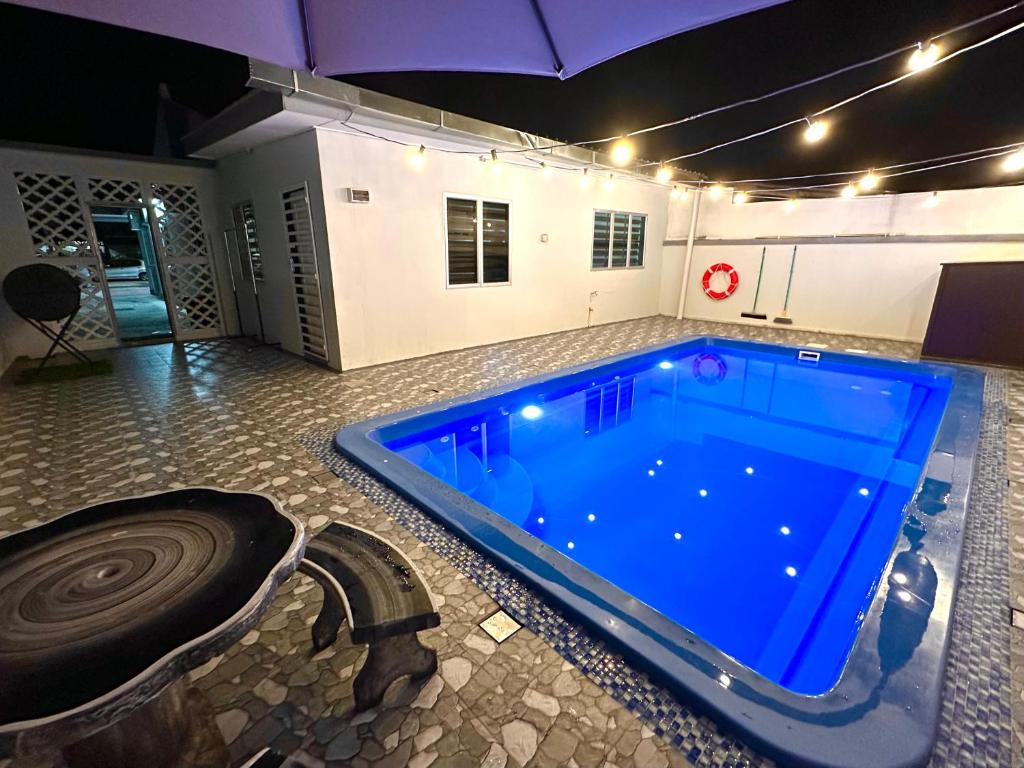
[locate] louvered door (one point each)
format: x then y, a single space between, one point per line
298 226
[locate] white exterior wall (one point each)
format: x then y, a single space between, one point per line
17 338
388 257
882 290
261 175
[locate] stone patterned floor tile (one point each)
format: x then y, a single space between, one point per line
220 413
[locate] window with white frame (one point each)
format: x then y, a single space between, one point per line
618 239
477 241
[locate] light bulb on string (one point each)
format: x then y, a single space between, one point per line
923 57
715 191
609 183
790 205
585 178
622 151
849 191
495 162
815 130
932 200
418 158
676 193
664 174
868 182
545 169
739 197
1014 161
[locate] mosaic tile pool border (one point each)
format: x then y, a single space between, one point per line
975 722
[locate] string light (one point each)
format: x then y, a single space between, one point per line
971 156
847 100
609 183
932 200
923 57
849 191
868 182
998 150
815 131
622 151
664 174
1014 161
739 197
418 158
1012 154
813 81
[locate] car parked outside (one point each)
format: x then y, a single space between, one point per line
131 269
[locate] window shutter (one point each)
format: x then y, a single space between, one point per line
602 237
495 242
249 253
637 227
462 241
298 227
620 236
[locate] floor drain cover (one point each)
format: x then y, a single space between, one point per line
500 626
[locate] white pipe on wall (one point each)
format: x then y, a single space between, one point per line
690 237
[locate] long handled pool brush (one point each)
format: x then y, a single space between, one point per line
783 317
753 314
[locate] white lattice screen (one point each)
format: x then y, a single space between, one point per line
124 191
60 236
186 256
54 214
92 323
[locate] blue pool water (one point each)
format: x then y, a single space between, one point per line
749 497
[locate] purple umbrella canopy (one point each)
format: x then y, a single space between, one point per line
558 38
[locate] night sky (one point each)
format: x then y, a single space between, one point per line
78 83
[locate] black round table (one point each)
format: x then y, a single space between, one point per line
103 610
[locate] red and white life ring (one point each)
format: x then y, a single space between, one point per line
734 280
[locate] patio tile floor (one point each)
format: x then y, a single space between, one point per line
222 413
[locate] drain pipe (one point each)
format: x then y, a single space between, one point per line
688 258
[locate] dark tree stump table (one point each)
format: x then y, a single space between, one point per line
103 610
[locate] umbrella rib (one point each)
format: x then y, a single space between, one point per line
559 66
307 37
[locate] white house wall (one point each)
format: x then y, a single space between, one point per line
881 289
261 175
389 256
17 338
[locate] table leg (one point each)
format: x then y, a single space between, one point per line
174 730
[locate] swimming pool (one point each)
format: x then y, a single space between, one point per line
777 537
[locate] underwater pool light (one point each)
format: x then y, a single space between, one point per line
531 412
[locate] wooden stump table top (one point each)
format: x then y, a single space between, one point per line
103 608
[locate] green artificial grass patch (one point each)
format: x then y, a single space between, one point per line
52 373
